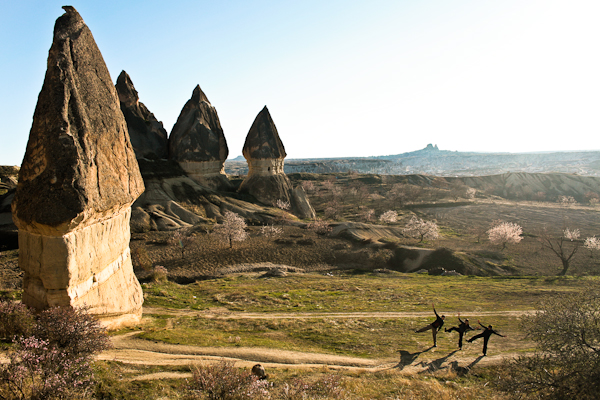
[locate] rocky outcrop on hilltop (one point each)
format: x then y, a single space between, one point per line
148 137
198 144
76 185
266 180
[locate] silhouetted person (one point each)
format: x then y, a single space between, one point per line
462 327
435 326
487 332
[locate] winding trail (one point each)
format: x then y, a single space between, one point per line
129 349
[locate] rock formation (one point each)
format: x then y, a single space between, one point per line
266 180
197 142
148 137
76 185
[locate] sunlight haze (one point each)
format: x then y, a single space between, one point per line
340 78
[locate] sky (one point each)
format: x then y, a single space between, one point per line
340 78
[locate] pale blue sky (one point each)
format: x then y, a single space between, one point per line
341 78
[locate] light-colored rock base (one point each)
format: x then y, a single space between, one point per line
271 166
90 266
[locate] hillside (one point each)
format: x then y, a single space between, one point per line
433 161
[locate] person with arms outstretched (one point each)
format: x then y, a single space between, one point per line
462 327
487 332
435 326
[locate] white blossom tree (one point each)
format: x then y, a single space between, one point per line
419 228
592 244
233 229
389 217
505 233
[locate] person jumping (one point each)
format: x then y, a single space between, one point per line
462 327
435 326
487 332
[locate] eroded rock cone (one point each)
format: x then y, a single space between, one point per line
266 180
147 134
198 144
77 182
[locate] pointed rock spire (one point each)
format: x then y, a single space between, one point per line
262 141
197 135
148 137
77 182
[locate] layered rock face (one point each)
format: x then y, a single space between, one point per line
266 181
198 144
76 185
148 137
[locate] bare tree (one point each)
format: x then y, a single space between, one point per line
504 233
564 247
183 239
271 231
233 229
419 228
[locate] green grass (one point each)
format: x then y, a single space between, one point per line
347 292
366 336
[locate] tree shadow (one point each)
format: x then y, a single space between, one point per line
407 358
434 365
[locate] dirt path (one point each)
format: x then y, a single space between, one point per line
223 313
129 349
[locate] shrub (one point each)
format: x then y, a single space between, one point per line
319 226
15 320
566 364
38 370
159 274
222 381
73 330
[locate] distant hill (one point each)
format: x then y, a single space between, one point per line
433 161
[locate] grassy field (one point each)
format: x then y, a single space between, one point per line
317 312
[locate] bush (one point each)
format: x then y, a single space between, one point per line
159 274
15 320
73 330
38 370
566 364
222 381
54 363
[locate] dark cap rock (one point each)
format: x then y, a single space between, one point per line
79 160
147 134
197 135
262 141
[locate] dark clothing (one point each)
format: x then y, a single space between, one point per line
435 326
461 329
487 332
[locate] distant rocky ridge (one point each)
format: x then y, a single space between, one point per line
446 163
